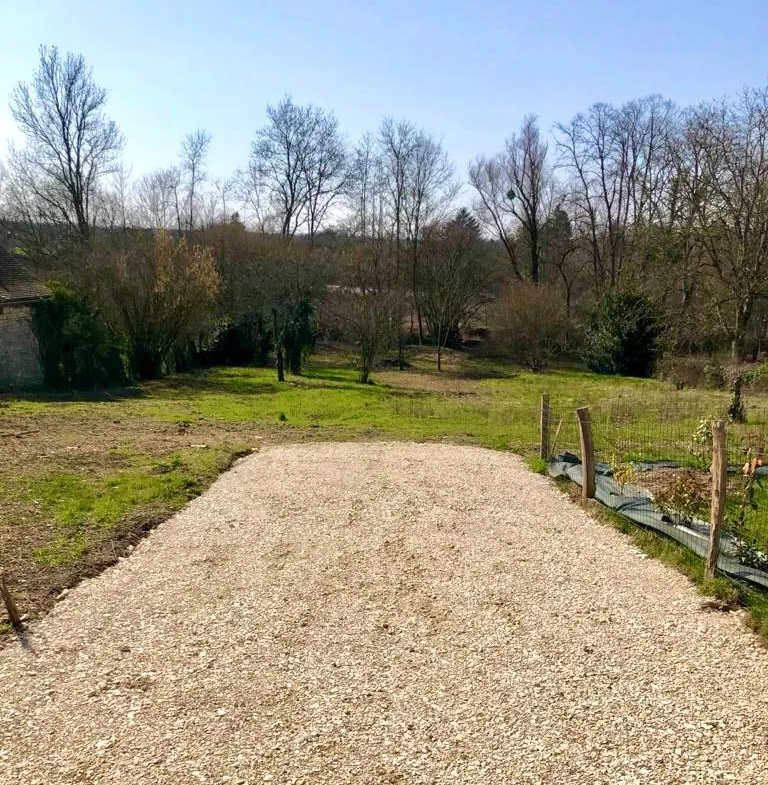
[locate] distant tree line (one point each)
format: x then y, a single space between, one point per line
640 224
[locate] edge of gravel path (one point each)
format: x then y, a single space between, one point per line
371 613
149 534
594 514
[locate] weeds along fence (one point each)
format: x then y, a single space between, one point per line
672 466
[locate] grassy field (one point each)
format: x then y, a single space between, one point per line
85 476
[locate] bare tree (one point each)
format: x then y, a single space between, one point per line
619 166
488 178
514 192
366 190
250 189
325 168
112 203
277 158
563 256
454 279
299 158
367 308
156 199
397 141
528 174
5 212
528 324
194 151
70 143
420 184
727 184
214 203
587 148
430 190
36 205
158 291
224 189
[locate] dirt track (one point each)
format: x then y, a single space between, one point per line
384 613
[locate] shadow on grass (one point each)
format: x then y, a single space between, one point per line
211 381
479 372
102 395
244 383
248 381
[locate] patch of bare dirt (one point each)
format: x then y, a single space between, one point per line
91 446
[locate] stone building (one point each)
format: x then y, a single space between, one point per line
19 361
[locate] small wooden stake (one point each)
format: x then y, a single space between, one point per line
557 434
719 479
10 605
587 454
544 430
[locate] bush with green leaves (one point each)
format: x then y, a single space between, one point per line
743 494
623 336
700 446
77 350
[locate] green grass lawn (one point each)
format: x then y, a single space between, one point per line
86 464
632 419
500 411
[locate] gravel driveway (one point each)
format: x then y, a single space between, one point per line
384 613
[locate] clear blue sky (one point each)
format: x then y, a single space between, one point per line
465 71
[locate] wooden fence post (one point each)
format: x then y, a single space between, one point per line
10 605
587 454
719 480
544 428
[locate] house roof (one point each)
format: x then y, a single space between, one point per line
17 285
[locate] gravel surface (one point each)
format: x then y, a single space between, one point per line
384 613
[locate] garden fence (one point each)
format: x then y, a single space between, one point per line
654 463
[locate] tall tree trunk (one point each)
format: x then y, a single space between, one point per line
534 237
365 371
192 202
280 364
278 349
759 341
82 221
414 284
740 331
178 209
420 323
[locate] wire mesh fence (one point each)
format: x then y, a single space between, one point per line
653 465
